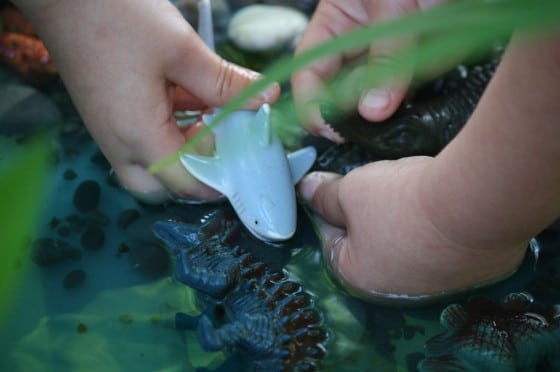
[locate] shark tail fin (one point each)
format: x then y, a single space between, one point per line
260 125
300 162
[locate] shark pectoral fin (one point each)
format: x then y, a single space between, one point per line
300 162
206 169
260 125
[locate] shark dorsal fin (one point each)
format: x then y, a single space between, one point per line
206 169
300 162
260 126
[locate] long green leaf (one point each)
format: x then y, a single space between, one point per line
22 186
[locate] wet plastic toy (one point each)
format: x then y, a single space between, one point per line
250 166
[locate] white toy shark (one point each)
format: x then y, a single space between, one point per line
251 168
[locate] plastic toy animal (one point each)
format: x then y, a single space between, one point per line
250 166
515 335
248 307
420 126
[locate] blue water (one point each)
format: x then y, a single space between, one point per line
120 317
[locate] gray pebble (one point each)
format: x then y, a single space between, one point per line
49 252
86 196
74 278
24 110
93 238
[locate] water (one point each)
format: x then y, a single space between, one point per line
120 317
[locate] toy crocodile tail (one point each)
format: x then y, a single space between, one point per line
421 126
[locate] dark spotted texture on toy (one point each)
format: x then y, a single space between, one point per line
514 335
249 307
343 158
420 126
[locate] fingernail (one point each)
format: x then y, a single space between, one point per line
376 99
311 182
328 133
308 185
270 93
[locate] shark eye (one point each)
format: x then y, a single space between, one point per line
256 222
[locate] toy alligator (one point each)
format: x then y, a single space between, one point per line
248 307
514 335
420 126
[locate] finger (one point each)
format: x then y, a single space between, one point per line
330 19
171 179
321 191
380 101
332 239
211 78
135 151
337 254
183 100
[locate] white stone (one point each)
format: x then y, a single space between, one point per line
266 27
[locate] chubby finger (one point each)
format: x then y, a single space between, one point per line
333 240
380 101
331 18
183 100
337 253
320 190
308 84
174 176
212 79
159 143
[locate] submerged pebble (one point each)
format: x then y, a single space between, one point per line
81 328
126 319
86 196
49 252
93 238
64 231
266 27
69 174
74 279
122 249
24 110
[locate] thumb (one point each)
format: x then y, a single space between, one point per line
321 191
212 79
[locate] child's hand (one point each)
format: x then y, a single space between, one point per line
121 62
381 240
333 18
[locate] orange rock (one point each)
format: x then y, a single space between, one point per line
28 56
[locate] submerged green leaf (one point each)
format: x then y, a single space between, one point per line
457 29
22 180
